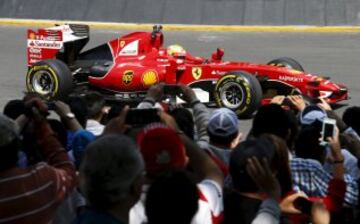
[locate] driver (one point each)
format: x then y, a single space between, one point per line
176 50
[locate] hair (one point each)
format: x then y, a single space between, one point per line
351 118
172 198
280 163
14 108
259 148
185 121
222 140
114 111
273 119
110 167
95 103
307 145
9 154
267 146
78 106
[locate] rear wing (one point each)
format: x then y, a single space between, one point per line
63 42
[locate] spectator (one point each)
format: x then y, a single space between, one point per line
308 176
172 198
96 112
164 149
51 181
351 117
223 133
14 108
111 177
272 119
243 203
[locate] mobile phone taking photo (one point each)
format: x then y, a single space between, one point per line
303 204
142 117
173 90
328 130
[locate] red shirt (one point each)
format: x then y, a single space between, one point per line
32 194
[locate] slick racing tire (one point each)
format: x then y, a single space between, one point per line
287 63
239 91
51 79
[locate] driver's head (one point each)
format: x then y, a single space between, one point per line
175 49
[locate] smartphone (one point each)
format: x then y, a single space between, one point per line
173 90
328 129
141 117
303 204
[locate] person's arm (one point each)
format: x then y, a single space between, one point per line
63 110
201 163
60 169
153 95
269 211
200 112
337 187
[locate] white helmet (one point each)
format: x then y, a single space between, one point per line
175 49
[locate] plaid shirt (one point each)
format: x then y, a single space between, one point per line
309 176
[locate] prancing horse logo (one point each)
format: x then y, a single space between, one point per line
196 72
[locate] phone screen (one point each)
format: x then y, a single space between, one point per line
172 90
328 130
303 204
142 117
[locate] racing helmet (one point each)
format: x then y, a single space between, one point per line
175 49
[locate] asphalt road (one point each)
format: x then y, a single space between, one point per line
336 55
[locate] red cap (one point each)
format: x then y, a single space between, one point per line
161 148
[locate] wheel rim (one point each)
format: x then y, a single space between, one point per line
232 95
42 82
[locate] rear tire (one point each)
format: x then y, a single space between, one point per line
239 91
51 79
287 63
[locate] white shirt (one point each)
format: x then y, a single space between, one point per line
94 127
210 205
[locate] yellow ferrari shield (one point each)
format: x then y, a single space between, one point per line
196 72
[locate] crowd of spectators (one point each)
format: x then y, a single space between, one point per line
82 161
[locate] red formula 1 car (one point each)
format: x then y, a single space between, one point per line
124 68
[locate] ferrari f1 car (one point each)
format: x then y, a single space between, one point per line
124 68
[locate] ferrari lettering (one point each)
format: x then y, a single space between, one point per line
290 79
131 49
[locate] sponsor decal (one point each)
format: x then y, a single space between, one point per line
295 72
122 43
290 78
130 49
128 77
35 50
38 56
216 72
149 77
45 44
196 72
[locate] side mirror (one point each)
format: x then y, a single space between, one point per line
217 55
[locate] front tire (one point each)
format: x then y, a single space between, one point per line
240 92
51 79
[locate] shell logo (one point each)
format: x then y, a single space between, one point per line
149 77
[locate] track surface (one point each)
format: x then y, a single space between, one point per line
336 55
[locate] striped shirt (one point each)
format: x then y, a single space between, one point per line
32 194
